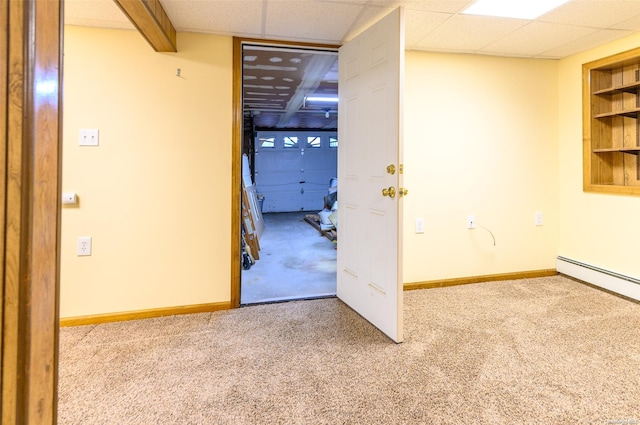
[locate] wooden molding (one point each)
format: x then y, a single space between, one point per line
97 319
4 54
285 43
149 17
30 192
236 173
477 279
586 131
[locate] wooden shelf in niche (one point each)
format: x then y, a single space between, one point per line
630 88
632 151
631 113
611 129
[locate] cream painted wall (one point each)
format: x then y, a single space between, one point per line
600 230
154 196
480 138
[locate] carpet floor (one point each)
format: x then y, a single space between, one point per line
532 351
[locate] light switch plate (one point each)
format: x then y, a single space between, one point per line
89 137
419 225
539 218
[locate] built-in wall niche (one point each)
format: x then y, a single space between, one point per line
611 132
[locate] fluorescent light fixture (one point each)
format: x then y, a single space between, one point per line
520 9
321 99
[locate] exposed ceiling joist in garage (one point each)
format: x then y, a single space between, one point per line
277 80
314 75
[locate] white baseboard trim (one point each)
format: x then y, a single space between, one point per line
606 279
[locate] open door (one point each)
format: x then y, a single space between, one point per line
370 174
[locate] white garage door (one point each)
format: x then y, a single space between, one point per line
294 169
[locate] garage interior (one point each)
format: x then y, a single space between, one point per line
289 183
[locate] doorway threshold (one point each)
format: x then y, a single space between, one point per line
289 299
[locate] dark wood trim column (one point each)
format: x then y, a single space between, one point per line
30 153
236 173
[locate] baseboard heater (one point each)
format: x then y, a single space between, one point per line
615 282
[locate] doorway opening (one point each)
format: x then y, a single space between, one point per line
288 155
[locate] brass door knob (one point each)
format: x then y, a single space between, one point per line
390 192
391 169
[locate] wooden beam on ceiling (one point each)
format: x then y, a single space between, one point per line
152 22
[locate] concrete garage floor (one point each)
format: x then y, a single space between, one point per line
295 262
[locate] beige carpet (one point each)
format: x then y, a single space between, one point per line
535 351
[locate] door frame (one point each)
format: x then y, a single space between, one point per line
236 151
30 181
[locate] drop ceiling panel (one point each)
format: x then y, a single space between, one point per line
95 13
469 33
536 38
596 39
368 16
632 24
592 13
361 2
418 24
326 22
226 16
439 6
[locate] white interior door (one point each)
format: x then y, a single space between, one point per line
370 139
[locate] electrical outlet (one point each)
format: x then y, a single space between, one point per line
471 222
419 225
84 246
539 220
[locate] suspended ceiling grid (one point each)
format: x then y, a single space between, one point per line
430 25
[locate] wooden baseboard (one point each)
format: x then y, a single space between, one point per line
477 279
143 314
211 307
